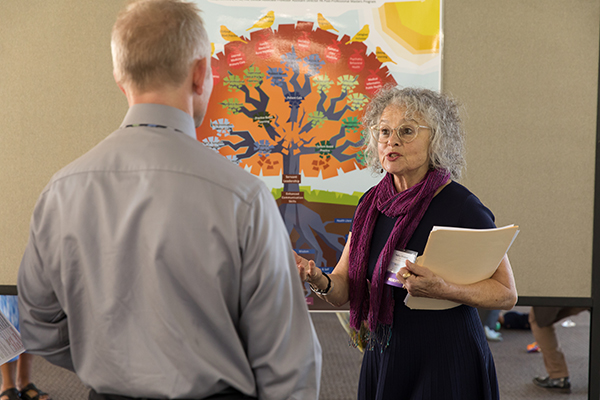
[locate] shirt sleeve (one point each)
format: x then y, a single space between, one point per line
282 346
44 325
474 215
43 322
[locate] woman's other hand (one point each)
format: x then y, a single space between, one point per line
307 270
338 294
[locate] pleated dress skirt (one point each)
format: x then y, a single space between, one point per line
432 355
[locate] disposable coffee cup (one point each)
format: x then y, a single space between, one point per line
399 261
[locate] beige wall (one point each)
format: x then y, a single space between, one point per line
57 99
526 71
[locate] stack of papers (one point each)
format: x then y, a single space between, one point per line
462 256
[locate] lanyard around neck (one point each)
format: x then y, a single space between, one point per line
153 126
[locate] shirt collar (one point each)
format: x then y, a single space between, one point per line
159 114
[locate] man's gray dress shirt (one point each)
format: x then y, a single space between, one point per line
157 268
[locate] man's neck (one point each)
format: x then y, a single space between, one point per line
173 97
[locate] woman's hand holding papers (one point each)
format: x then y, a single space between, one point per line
419 281
497 292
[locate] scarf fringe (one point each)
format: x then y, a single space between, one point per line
366 340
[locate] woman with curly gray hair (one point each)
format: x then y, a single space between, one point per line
440 113
416 137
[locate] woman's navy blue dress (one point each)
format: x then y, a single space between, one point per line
432 355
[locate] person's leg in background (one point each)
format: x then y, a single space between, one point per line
9 390
554 358
16 380
27 389
489 319
16 374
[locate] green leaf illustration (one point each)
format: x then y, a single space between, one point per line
253 76
348 83
322 83
233 106
233 82
357 101
324 148
351 124
317 119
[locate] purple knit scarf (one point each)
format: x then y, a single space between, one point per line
409 206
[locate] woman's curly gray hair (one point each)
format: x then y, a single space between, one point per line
438 111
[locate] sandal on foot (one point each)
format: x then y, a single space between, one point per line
32 388
12 394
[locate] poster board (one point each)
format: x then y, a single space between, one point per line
291 83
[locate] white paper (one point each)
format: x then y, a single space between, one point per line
10 341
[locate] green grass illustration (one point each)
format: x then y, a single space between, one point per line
324 196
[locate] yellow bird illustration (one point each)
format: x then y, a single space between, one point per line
212 49
230 36
382 56
324 24
265 22
361 36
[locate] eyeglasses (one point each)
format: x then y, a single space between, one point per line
406 132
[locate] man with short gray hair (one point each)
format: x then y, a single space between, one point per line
155 268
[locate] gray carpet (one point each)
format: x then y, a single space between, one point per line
341 364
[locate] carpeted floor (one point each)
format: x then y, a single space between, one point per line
515 367
341 364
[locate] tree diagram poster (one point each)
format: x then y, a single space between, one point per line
291 82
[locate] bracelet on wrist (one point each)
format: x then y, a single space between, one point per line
322 291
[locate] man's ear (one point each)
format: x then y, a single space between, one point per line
118 84
199 75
